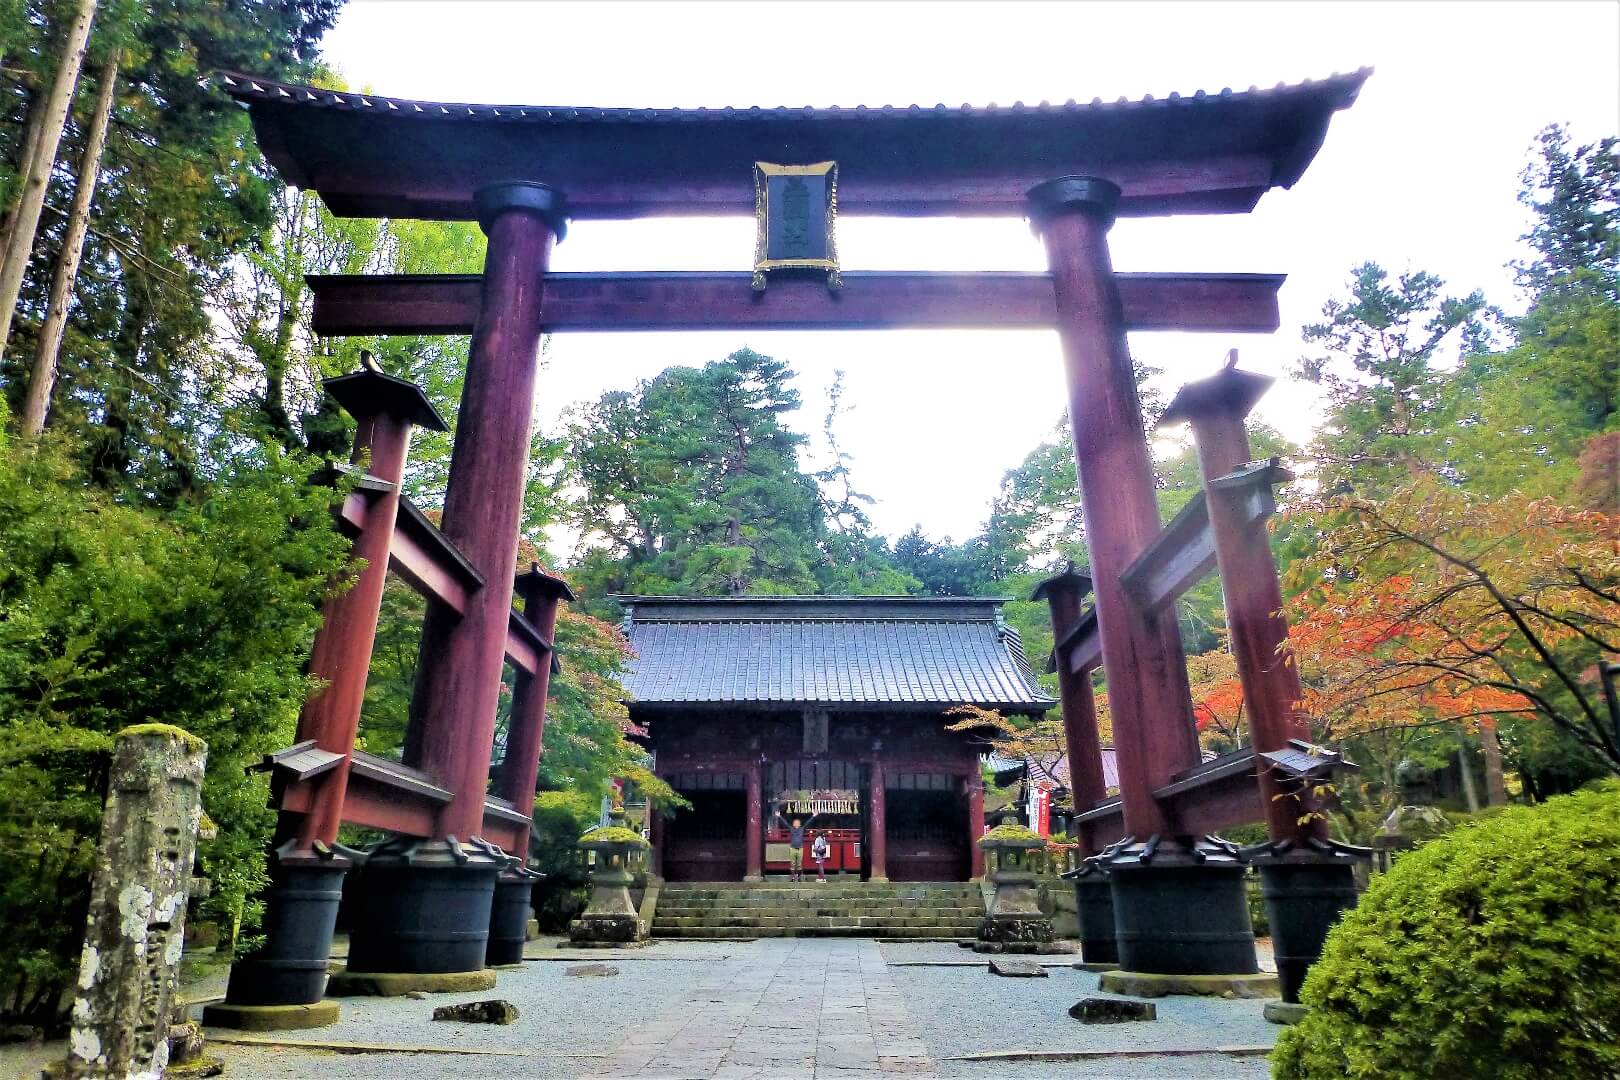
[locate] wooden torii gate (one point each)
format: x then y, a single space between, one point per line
522 172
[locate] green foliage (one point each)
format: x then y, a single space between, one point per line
182 191
113 615
1488 952
1012 834
691 485
613 834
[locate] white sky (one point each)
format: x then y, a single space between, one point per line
1421 173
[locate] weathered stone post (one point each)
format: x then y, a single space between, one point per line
1015 922
610 919
136 928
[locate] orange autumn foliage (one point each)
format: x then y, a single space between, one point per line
1433 606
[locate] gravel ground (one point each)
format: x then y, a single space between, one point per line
568 1024
962 1011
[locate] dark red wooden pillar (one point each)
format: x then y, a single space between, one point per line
754 835
655 837
1216 408
542 595
386 409
975 797
459 679
877 824
1082 742
1142 655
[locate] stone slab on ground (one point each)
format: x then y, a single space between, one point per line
1016 967
399 983
322 1013
491 1011
591 970
1153 985
1286 1012
1094 1010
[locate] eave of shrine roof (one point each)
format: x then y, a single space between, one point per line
371 155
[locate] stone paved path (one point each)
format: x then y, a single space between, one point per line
798 1009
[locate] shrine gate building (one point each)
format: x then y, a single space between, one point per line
832 710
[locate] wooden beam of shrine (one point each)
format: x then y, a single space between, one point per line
432 565
1213 796
1177 559
348 305
384 794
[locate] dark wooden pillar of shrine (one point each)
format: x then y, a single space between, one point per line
975 798
423 898
306 874
1178 901
877 823
1308 880
754 830
655 837
1063 593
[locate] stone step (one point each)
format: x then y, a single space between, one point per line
888 910
720 932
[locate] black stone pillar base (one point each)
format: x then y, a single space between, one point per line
423 906
1179 906
509 916
300 910
1306 888
1094 904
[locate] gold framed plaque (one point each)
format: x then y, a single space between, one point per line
796 214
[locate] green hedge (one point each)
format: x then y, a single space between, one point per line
1491 952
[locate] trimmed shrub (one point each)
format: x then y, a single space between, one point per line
1491 952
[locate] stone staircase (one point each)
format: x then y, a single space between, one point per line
938 911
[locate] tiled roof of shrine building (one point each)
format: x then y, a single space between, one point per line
827 650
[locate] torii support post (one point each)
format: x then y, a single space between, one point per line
287 974
1063 593
1093 894
1179 902
427 904
542 595
1307 880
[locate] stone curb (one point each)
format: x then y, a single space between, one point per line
1152 985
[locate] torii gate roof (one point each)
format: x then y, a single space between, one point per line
371 156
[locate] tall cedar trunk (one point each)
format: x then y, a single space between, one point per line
25 165
57 106
1495 785
67 263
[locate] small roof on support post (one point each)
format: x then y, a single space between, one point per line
1227 391
1068 578
372 391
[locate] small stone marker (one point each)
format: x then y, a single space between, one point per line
1112 1010
1017 968
592 969
493 1011
136 927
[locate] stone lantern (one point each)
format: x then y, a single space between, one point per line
1015 922
610 919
